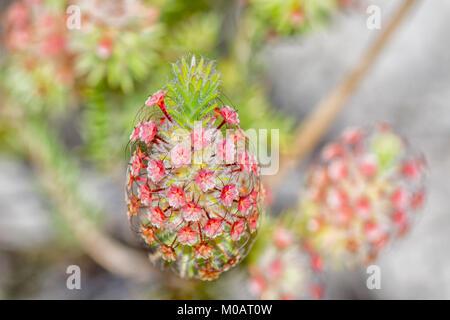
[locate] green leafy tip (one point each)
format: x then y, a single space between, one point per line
194 90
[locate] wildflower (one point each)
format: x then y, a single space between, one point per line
229 194
205 180
187 235
203 250
229 115
167 253
360 194
214 206
175 196
157 217
155 170
148 131
213 227
180 155
226 151
237 230
191 212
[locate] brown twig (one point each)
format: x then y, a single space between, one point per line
318 122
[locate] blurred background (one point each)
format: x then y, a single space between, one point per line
69 96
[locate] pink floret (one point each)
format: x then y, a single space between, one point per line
229 194
180 155
229 115
175 196
213 227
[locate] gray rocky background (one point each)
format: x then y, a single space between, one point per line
409 87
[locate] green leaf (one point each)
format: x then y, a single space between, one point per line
194 87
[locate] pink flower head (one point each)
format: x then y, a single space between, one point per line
229 193
352 135
205 180
148 131
337 170
282 237
136 132
175 196
145 193
229 115
191 212
237 230
155 170
253 222
187 236
244 204
201 137
180 155
226 150
213 227
157 217
244 161
156 99
203 250
400 198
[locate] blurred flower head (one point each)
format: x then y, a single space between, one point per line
282 268
363 192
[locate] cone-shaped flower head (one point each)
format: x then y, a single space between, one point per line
363 192
191 199
281 267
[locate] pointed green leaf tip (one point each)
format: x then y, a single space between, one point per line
194 89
